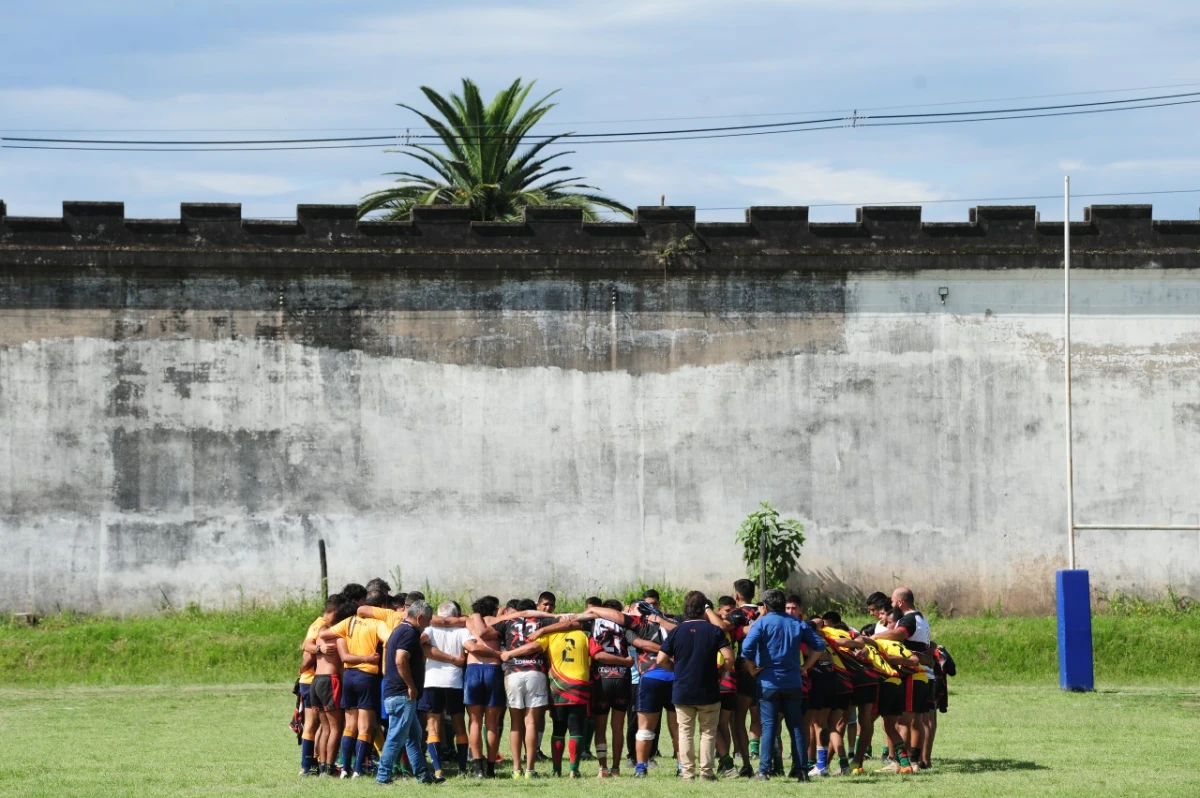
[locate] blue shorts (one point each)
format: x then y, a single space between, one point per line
306 695
654 695
361 690
484 686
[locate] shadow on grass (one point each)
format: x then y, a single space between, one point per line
984 765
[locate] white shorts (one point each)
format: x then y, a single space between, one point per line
527 689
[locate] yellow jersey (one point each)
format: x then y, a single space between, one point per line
364 637
894 648
314 629
570 655
389 617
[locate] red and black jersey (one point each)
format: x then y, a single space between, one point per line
515 633
611 639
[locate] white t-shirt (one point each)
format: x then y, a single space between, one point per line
448 640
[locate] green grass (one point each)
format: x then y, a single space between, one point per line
255 645
233 740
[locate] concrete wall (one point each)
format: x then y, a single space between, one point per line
185 419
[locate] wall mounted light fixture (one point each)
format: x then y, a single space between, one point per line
943 292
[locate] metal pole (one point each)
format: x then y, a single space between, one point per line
1067 368
324 569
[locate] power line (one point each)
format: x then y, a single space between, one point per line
675 134
612 121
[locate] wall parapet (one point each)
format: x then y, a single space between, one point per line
767 230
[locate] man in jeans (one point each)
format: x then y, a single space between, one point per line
701 654
772 649
403 682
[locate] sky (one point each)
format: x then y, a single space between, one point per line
267 69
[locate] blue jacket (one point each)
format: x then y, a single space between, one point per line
773 644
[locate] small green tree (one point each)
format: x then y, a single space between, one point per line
783 541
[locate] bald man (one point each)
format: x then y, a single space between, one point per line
912 629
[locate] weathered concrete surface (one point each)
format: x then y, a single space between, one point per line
192 435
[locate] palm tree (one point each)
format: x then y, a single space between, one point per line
486 164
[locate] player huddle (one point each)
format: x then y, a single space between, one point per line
386 681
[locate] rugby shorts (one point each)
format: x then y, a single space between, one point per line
891 699
610 693
916 695
306 695
326 693
526 689
483 685
361 690
441 699
654 695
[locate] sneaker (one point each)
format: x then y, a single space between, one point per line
802 777
517 774
614 773
540 757
603 774
345 774
760 776
530 774
890 767
574 774
794 773
842 771
355 775
857 771
631 764
653 763
640 774
432 780
905 770
729 772
305 773
816 771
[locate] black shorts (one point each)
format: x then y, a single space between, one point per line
747 687
326 692
654 695
865 694
728 702
610 693
839 699
361 690
441 699
305 695
916 695
891 700
821 690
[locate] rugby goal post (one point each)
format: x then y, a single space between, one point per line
1072 590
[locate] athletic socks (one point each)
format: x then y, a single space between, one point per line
435 758
557 744
306 754
602 755
754 747
360 754
574 744
460 746
822 758
902 756
347 753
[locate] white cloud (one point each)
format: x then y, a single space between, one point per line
807 182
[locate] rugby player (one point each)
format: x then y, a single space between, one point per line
570 652
729 737
747 685
443 689
483 691
611 682
898 695
325 695
313 733
359 641
654 690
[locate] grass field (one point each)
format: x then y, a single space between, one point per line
209 740
261 645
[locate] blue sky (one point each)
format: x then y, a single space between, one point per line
206 70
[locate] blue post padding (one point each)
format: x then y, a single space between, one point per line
1074 631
